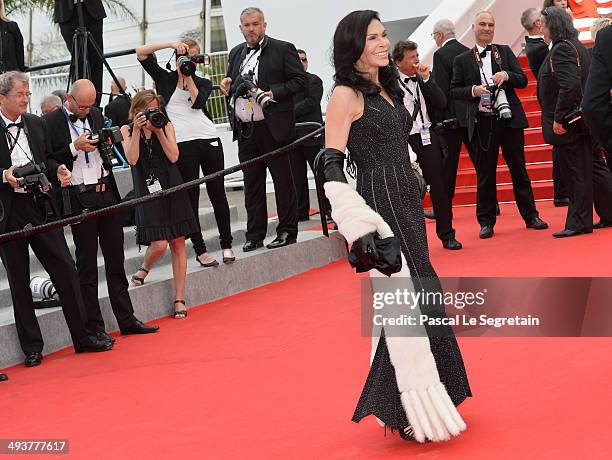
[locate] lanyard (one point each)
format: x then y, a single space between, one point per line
149 146
245 63
416 96
13 141
75 130
496 55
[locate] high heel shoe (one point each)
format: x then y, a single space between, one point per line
228 256
180 314
137 280
211 262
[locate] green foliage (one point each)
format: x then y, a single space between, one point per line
16 7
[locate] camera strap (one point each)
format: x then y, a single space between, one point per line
416 96
151 177
13 141
75 129
496 56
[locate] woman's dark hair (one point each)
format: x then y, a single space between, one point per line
349 43
559 24
548 3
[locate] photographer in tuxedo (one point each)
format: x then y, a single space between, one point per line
92 186
24 142
307 108
561 81
486 76
272 66
422 98
65 14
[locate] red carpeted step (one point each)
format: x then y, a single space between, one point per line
537 172
530 104
529 91
533 154
523 60
534 119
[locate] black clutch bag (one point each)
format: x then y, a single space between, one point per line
389 255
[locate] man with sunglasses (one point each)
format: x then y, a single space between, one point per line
92 187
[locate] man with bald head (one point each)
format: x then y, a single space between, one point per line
118 106
92 187
475 72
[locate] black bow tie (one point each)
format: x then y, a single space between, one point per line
483 54
253 48
74 118
414 79
15 125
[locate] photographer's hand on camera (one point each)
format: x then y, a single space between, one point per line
12 180
84 144
64 176
499 78
139 122
558 129
479 90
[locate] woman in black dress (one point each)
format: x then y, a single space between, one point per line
152 153
11 44
415 382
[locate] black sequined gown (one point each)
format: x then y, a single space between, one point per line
378 145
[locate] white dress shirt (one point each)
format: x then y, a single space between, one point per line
21 153
422 118
83 171
247 109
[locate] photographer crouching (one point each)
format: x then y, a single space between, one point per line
561 81
23 194
263 76
185 95
78 139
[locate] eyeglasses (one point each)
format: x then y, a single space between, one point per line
304 59
21 95
433 34
81 107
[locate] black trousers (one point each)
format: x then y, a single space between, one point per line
560 191
430 160
490 135
300 159
588 182
52 251
96 65
257 144
454 138
107 231
207 155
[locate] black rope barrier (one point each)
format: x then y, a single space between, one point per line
28 231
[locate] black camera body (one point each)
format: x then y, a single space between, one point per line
156 117
245 87
107 152
574 121
449 124
187 64
32 178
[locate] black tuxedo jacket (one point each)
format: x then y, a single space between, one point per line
466 74
536 50
118 110
443 71
64 8
435 100
166 81
560 92
11 47
308 107
34 127
59 138
597 104
281 72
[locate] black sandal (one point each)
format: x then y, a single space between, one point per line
180 314
137 280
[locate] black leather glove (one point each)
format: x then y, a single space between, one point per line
364 251
334 165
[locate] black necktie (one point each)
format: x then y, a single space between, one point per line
252 48
484 51
15 125
74 118
407 79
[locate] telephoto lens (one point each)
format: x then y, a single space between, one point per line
42 288
156 117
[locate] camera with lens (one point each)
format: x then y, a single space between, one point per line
496 100
245 87
574 121
106 148
32 178
156 117
187 64
442 127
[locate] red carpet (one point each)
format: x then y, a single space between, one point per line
276 373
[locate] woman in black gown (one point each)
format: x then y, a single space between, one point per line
414 383
152 153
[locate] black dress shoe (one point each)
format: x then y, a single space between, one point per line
537 224
304 218
102 336
92 344
567 233
602 224
486 231
451 244
252 245
3 377
560 202
138 327
429 214
33 359
281 240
